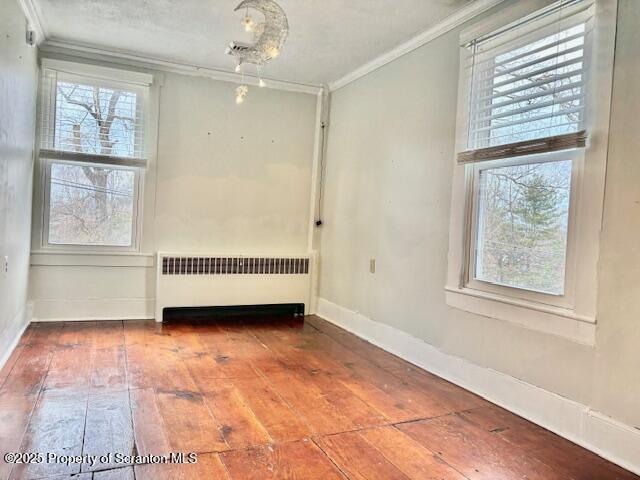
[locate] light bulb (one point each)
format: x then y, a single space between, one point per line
248 23
261 83
238 68
241 92
273 52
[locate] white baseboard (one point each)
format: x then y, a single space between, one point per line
59 310
11 336
615 441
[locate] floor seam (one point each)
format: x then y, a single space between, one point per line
435 454
422 419
328 457
86 411
126 374
273 387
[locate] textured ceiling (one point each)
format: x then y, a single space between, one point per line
327 40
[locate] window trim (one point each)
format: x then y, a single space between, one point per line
148 86
574 320
97 72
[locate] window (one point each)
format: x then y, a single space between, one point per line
530 91
528 179
92 132
527 101
91 205
521 225
93 117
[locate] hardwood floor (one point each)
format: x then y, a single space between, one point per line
280 398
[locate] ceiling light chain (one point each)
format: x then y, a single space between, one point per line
241 91
260 80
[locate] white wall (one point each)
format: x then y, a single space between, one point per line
18 75
388 187
233 178
228 179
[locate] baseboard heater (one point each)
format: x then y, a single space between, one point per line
215 281
232 312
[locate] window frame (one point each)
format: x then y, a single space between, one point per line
141 84
564 300
136 220
573 315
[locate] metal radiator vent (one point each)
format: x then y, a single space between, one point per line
234 266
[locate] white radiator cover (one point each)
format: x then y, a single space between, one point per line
215 280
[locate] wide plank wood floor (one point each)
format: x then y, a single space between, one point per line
275 398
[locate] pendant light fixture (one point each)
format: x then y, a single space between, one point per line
269 37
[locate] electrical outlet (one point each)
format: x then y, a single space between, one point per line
5 264
372 265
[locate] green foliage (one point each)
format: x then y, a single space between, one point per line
523 226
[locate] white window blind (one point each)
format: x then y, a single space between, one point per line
528 84
90 119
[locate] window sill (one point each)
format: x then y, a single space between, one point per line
91 259
557 321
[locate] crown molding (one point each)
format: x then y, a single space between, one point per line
62 47
92 52
32 15
449 23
